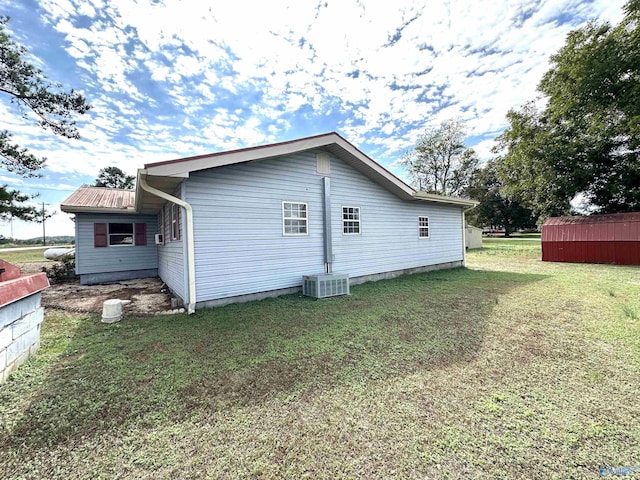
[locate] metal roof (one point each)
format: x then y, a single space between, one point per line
616 227
581 220
99 199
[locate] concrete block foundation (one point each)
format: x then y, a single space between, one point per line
21 315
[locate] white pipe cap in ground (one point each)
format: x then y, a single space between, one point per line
112 310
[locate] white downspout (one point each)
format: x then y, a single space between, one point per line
191 261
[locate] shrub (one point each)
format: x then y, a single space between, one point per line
62 271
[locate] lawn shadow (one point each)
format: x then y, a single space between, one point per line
147 371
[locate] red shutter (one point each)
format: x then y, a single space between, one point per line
141 233
99 234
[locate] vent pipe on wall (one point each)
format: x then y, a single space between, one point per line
328 250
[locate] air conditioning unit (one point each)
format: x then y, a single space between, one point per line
325 285
159 239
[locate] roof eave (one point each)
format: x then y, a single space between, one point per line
430 197
181 168
81 209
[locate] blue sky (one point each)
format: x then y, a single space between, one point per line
172 78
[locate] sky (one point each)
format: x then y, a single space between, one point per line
171 78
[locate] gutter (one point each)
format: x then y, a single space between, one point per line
431 197
81 209
191 262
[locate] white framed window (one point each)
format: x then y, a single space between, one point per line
423 227
175 222
295 219
351 220
120 234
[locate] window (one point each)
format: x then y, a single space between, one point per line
423 227
294 218
351 220
120 234
175 222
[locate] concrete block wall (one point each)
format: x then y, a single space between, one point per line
19 332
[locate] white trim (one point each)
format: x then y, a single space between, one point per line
133 234
336 145
359 221
432 197
80 209
428 227
306 219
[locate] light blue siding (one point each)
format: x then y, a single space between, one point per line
389 228
92 260
239 243
241 249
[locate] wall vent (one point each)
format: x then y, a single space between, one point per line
325 285
323 163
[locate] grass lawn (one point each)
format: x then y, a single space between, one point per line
25 256
512 368
526 235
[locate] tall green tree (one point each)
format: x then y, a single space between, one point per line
113 177
440 162
586 138
39 99
495 209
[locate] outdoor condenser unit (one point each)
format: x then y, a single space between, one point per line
325 285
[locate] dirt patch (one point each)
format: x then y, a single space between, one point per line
147 296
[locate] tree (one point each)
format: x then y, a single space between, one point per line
440 163
113 177
35 97
494 208
586 139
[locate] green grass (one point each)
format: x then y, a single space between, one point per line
512 368
26 256
526 235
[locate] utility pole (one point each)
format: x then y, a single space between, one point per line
44 234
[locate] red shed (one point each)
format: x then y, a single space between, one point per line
613 238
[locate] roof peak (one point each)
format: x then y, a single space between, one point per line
243 149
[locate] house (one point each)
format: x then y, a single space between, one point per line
250 223
613 238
